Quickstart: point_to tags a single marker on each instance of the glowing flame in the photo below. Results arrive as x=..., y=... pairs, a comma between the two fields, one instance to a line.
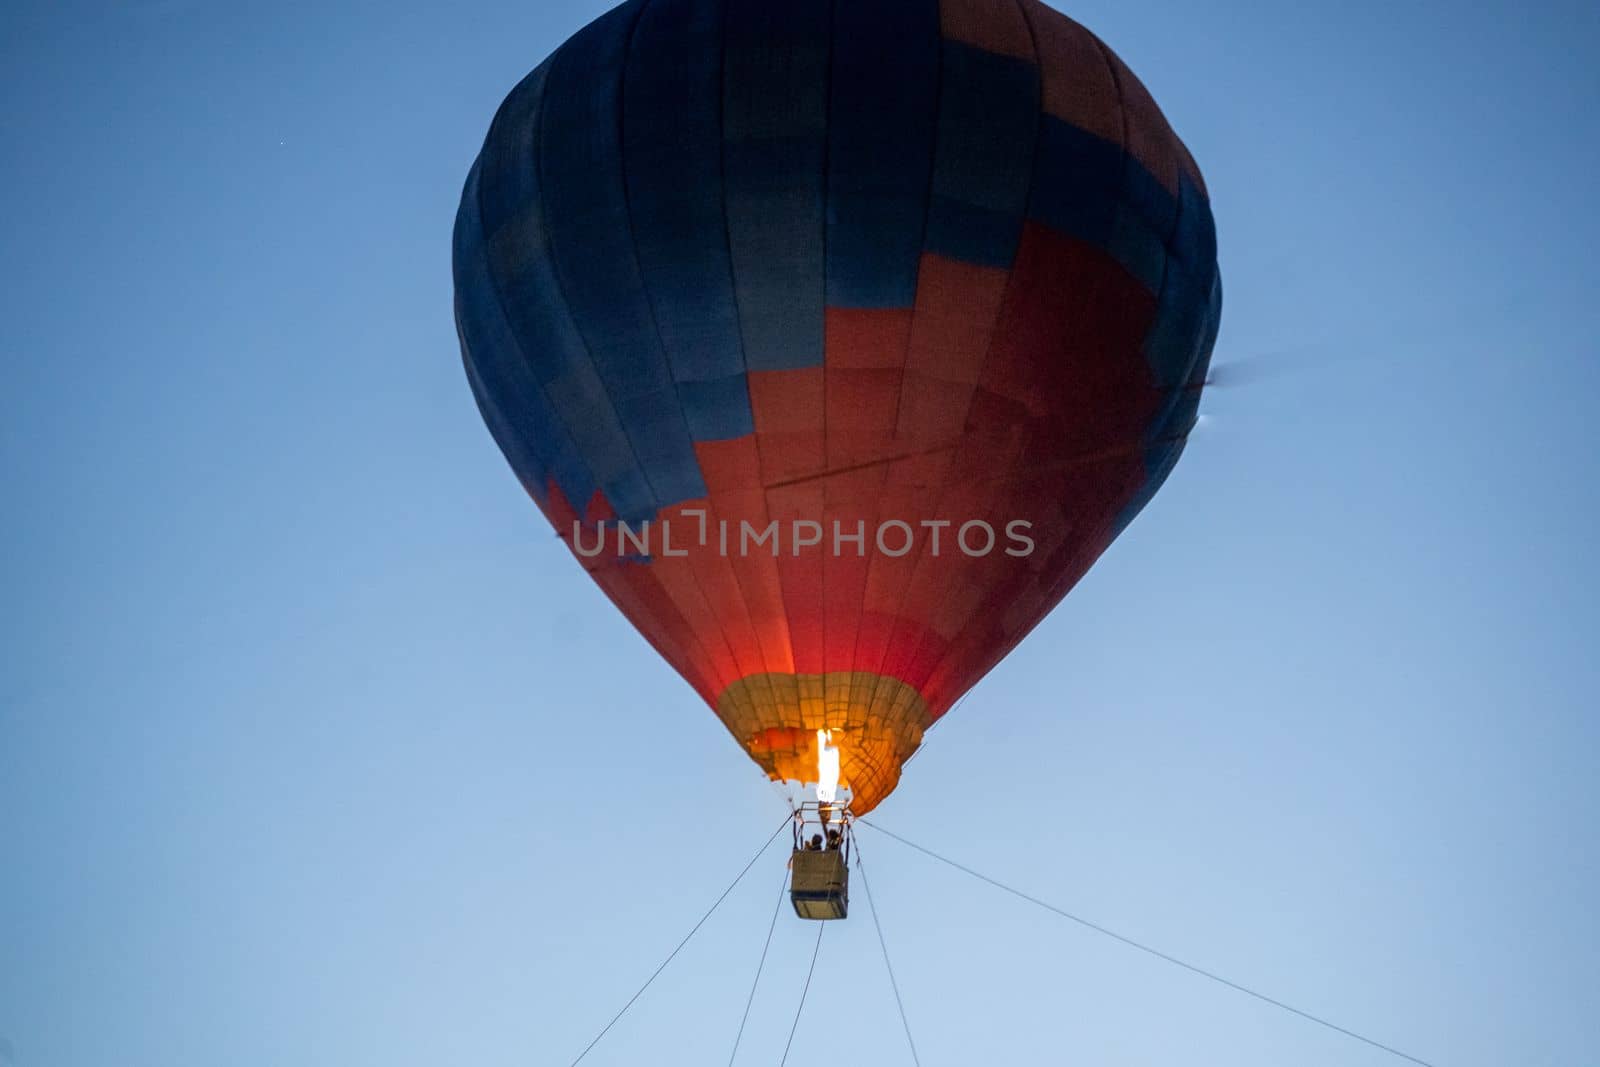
x=827, y=767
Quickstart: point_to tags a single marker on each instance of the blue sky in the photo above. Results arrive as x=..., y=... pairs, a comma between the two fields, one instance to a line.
x=315, y=748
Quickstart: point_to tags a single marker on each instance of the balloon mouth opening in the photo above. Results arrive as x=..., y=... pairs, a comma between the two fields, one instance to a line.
x=818, y=782
x=849, y=732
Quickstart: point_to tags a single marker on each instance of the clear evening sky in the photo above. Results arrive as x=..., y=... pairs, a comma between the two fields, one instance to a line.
x=317, y=749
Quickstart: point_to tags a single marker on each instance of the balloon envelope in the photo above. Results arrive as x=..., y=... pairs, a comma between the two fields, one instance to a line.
x=851, y=334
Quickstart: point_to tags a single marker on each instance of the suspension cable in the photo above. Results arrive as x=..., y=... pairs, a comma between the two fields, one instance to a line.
x=783, y=891
x=821, y=926
x=1157, y=953
x=873, y=909
x=673, y=954
x=929, y=731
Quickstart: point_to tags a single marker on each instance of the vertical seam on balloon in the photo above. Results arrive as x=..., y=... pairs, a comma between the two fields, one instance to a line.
x=537, y=118
x=733, y=290
x=473, y=190
x=822, y=220
x=727, y=228
x=1169, y=406
x=738, y=314
x=922, y=556
x=927, y=202
x=1203, y=349
x=560, y=286
x=538, y=149
x=474, y=365
x=994, y=329
x=1069, y=580
x=1123, y=171
x=854, y=665
x=911, y=330
x=499, y=300
x=1003, y=493
x=880, y=681
x=655, y=323
x=821, y=205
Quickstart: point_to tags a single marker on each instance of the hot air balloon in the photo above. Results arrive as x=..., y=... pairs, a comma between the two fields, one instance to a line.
x=837, y=340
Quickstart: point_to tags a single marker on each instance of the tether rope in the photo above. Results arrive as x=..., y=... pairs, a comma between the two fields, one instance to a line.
x=873, y=909
x=1157, y=953
x=821, y=926
x=673, y=954
x=783, y=891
